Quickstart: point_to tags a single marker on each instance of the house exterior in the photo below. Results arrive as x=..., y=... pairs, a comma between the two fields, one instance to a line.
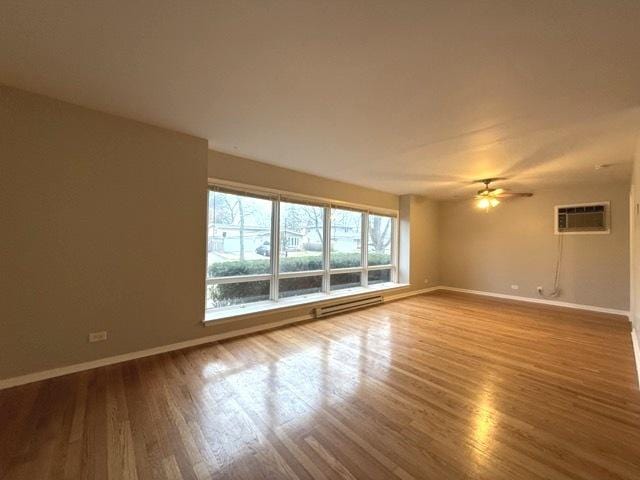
x=226, y=239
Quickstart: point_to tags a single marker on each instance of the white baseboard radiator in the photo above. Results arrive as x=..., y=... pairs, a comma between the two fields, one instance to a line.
x=346, y=306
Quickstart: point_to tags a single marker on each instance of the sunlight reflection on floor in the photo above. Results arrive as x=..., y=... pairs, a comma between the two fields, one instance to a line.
x=293, y=388
x=484, y=424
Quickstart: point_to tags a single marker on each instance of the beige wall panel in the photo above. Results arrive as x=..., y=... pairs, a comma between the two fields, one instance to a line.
x=514, y=244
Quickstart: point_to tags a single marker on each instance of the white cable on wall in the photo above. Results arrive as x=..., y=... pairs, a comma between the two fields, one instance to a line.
x=556, y=278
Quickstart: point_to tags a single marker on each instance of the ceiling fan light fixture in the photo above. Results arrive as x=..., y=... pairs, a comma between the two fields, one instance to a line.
x=488, y=197
x=485, y=203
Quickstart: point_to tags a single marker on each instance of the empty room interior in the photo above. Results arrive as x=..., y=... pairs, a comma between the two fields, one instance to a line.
x=329, y=239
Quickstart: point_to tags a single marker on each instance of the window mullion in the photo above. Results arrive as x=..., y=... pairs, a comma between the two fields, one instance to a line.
x=379, y=267
x=275, y=248
x=364, y=249
x=237, y=279
x=395, y=229
x=347, y=270
x=326, y=249
x=300, y=274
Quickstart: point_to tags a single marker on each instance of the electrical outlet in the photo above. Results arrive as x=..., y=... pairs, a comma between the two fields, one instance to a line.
x=97, y=337
x=426, y=280
x=515, y=287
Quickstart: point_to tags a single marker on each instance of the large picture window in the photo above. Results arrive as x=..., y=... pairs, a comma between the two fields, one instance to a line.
x=268, y=248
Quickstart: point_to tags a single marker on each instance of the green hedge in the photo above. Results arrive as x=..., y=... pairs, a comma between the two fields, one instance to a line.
x=230, y=293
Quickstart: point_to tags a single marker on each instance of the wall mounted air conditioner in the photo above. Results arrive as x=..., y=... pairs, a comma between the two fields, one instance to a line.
x=582, y=218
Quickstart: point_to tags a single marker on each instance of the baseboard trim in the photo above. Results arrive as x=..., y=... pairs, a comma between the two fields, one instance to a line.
x=544, y=301
x=410, y=293
x=102, y=362
x=636, y=352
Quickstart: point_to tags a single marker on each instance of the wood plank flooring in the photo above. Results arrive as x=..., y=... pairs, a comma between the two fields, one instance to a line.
x=438, y=386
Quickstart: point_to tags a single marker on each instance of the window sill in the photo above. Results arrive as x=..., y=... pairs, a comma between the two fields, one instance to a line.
x=217, y=316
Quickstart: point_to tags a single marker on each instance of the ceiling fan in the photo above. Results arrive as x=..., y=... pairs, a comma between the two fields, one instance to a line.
x=490, y=197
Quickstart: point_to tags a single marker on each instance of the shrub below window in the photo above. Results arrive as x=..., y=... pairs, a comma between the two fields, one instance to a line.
x=340, y=281
x=227, y=294
x=379, y=276
x=291, y=264
x=224, y=294
x=292, y=287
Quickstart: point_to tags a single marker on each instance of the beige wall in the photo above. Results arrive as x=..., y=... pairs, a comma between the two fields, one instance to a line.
x=241, y=170
x=635, y=243
x=515, y=244
x=419, y=243
x=102, y=224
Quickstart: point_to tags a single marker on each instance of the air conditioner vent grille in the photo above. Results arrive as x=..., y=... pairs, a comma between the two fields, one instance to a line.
x=582, y=218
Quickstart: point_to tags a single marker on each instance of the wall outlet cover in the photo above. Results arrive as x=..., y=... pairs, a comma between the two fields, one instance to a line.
x=97, y=336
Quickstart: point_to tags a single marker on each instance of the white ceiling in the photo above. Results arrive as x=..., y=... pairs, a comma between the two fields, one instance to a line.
x=404, y=96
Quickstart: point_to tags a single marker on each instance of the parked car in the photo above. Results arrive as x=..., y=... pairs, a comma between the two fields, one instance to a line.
x=313, y=246
x=264, y=249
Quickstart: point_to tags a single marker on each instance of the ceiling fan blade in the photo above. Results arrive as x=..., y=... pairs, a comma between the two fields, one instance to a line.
x=514, y=194
x=488, y=180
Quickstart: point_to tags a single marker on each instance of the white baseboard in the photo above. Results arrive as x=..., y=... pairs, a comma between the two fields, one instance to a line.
x=101, y=362
x=544, y=301
x=66, y=370
x=79, y=367
x=636, y=352
x=410, y=293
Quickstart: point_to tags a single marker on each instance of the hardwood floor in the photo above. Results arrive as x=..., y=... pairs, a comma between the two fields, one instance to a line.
x=439, y=386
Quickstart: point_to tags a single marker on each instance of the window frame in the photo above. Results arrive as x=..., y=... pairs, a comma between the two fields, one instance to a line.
x=274, y=275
